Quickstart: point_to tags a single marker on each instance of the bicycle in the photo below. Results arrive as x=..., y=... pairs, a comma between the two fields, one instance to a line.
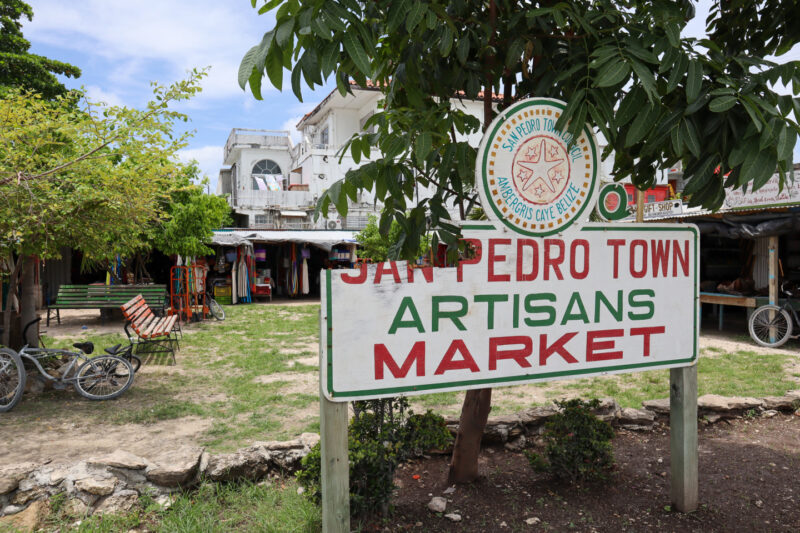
x=771, y=325
x=214, y=308
x=104, y=377
x=127, y=354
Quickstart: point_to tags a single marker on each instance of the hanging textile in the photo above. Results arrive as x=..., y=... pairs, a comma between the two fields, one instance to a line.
x=304, y=277
x=234, y=284
x=293, y=273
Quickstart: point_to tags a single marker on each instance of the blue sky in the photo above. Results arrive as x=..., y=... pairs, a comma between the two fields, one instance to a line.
x=122, y=46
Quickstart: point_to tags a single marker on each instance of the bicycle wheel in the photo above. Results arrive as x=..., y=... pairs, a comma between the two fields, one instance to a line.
x=12, y=379
x=103, y=378
x=135, y=362
x=215, y=309
x=770, y=332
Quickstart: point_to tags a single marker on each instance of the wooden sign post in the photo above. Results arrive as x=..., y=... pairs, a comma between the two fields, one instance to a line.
x=542, y=296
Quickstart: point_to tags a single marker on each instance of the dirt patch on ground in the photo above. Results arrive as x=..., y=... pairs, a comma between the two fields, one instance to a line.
x=70, y=442
x=725, y=343
x=748, y=482
x=297, y=382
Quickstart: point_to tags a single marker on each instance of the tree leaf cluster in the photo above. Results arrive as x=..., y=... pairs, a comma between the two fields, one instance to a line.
x=18, y=67
x=101, y=179
x=658, y=98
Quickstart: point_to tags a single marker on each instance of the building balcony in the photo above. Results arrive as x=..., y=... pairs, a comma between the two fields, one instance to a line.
x=280, y=199
x=245, y=138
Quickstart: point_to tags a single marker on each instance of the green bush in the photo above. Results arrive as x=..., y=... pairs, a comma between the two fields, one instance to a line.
x=381, y=435
x=578, y=444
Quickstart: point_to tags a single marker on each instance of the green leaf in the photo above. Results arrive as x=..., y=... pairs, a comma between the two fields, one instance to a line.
x=320, y=29
x=612, y=73
x=722, y=103
x=415, y=16
x=757, y=164
x=268, y=6
x=254, y=59
x=694, y=80
x=283, y=32
x=689, y=136
x=296, y=88
x=446, y=41
x=673, y=32
x=677, y=73
x=786, y=142
x=646, y=77
x=275, y=67
x=630, y=106
x=642, y=125
x=422, y=147
x=356, y=52
x=329, y=60
x=462, y=49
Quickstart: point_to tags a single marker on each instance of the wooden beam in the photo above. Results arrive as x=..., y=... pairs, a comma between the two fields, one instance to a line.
x=335, y=466
x=773, y=270
x=722, y=299
x=639, y=205
x=683, y=437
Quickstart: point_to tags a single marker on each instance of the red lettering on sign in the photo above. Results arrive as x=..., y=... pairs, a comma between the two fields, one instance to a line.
x=497, y=258
x=573, y=270
x=478, y=250
x=682, y=258
x=645, y=333
x=550, y=261
x=390, y=267
x=356, y=280
x=593, y=346
x=660, y=253
x=616, y=244
x=632, y=256
x=427, y=273
x=384, y=358
x=520, y=355
x=448, y=363
x=546, y=351
x=534, y=246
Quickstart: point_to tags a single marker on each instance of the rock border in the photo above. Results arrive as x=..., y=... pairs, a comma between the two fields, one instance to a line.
x=113, y=483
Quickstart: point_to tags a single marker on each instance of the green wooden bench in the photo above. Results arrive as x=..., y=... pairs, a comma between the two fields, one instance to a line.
x=106, y=297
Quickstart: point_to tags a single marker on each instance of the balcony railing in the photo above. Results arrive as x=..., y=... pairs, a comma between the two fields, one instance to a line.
x=284, y=199
x=246, y=138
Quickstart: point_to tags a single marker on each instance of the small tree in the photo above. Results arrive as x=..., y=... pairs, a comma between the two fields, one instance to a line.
x=375, y=247
x=82, y=174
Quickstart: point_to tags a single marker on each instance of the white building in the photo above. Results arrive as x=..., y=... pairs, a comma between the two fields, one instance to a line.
x=273, y=183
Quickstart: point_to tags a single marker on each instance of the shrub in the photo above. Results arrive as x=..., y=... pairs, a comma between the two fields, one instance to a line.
x=578, y=444
x=380, y=436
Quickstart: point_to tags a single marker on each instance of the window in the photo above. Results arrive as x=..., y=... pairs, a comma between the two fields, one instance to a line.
x=261, y=220
x=323, y=136
x=651, y=198
x=267, y=175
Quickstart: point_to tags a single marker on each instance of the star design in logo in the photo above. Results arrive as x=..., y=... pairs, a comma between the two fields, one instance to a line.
x=539, y=191
x=532, y=153
x=541, y=167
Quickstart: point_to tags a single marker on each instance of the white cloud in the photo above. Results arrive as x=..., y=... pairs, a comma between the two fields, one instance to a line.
x=209, y=159
x=291, y=126
x=97, y=94
x=178, y=35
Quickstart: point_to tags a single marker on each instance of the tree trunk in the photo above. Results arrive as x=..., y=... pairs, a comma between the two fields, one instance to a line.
x=27, y=304
x=467, y=448
x=477, y=403
x=12, y=290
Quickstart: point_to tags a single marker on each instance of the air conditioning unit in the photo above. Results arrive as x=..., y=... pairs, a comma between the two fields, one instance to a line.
x=333, y=224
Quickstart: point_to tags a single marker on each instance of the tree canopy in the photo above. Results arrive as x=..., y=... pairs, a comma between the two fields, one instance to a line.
x=20, y=68
x=657, y=97
x=85, y=175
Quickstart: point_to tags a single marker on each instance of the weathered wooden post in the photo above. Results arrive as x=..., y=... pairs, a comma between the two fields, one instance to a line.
x=335, y=467
x=334, y=461
x=683, y=437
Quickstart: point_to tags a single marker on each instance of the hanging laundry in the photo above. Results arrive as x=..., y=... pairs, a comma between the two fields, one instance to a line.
x=306, y=288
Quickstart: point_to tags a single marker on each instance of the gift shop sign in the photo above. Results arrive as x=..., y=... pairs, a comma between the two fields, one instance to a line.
x=541, y=294
x=613, y=298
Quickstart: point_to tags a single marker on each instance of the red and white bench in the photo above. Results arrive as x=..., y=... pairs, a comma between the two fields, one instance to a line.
x=144, y=328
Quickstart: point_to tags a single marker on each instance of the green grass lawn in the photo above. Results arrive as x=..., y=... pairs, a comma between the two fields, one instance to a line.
x=274, y=507
x=254, y=377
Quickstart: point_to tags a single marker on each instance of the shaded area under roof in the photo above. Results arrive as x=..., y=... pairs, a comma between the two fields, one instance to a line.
x=325, y=239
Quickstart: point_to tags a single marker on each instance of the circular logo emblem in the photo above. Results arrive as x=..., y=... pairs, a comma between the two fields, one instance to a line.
x=612, y=202
x=532, y=177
